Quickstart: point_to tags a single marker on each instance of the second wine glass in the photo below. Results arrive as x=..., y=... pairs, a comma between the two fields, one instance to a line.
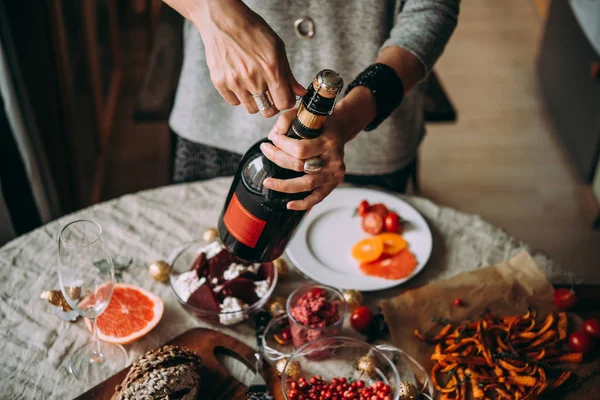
x=86, y=276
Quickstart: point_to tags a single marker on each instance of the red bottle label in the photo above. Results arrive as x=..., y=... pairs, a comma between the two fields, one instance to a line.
x=242, y=225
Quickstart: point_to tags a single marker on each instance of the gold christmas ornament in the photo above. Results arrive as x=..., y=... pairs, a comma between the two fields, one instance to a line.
x=280, y=366
x=56, y=298
x=159, y=271
x=354, y=298
x=407, y=391
x=293, y=369
x=282, y=267
x=210, y=235
x=277, y=307
x=74, y=292
x=366, y=365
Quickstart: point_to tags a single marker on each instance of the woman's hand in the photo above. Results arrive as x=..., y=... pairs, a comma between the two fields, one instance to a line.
x=245, y=56
x=350, y=117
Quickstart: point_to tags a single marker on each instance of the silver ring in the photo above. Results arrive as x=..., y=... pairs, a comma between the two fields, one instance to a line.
x=313, y=165
x=263, y=100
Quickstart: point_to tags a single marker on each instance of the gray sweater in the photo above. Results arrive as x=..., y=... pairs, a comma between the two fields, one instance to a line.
x=348, y=37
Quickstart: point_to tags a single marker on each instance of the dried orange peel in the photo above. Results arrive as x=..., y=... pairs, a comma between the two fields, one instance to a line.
x=500, y=357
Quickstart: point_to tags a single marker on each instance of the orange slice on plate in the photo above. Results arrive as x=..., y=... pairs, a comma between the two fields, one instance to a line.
x=367, y=250
x=393, y=243
x=394, y=267
x=131, y=314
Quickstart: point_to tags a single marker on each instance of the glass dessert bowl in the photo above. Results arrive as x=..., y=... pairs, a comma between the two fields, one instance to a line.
x=315, y=311
x=217, y=287
x=352, y=366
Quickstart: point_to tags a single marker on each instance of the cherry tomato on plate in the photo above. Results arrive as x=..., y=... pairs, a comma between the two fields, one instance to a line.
x=392, y=222
x=363, y=208
x=580, y=342
x=458, y=302
x=361, y=318
x=592, y=328
x=372, y=223
x=564, y=299
x=380, y=209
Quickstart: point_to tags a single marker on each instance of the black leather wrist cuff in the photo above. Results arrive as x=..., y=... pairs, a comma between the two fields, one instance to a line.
x=385, y=85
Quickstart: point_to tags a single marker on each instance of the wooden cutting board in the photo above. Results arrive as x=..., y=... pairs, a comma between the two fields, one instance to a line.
x=217, y=382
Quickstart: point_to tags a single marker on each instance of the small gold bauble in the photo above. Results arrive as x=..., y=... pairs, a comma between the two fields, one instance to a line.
x=366, y=365
x=292, y=370
x=280, y=366
x=210, y=235
x=282, y=267
x=277, y=307
x=407, y=391
x=354, y=298
x=159, y=270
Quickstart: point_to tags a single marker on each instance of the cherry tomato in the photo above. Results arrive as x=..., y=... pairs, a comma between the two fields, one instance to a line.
x=580, y=342
x=392, y=222
x=592, y=328
x=458, y=302
x=372, y=223
x=286, y=334
x=361, y=318
x=380, y=209
x=363, y=208
x=564, y=298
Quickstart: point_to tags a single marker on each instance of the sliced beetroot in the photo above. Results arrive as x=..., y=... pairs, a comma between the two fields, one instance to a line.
x=240, y=288
x=200, y=265
x=265, y=271
x=219, y=263
x=205, y=299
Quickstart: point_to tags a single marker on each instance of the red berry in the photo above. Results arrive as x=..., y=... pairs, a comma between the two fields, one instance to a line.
x=564, y=298
x=458, y=302
x=592, y=327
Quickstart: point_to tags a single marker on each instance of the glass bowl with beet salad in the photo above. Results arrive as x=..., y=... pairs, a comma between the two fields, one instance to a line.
x=214, y=285
x=315, y=311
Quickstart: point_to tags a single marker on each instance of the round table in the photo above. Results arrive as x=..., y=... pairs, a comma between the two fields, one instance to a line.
x=147, y=226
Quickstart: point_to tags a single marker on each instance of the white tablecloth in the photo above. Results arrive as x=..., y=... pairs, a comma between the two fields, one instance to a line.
x=147, y=226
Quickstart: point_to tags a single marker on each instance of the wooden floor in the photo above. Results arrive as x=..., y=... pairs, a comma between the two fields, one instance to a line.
x=500, y=160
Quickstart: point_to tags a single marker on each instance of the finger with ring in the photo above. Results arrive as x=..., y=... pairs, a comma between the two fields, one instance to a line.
x=263, y=100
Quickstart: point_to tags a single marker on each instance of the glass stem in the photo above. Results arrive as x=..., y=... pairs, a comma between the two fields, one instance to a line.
x=97, y=356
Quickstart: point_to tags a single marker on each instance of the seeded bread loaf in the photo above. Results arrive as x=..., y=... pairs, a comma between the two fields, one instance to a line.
x=169, y=372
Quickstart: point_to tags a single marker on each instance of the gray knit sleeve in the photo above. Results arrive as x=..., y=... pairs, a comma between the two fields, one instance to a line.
x=423, y=27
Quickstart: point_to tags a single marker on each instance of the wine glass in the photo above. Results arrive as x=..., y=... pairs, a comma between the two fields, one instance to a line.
x=86, y=275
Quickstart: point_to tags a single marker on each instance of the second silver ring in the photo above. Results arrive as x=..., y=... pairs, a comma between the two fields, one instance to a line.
x=263, y=100
x=314, y=164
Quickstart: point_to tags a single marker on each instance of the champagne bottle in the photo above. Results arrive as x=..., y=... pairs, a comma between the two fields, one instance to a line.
x=255, y=224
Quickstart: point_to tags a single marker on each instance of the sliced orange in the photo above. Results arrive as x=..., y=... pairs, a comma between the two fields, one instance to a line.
x=398, y=266
x=393, y=243
x=368, y=249
x=131, y=314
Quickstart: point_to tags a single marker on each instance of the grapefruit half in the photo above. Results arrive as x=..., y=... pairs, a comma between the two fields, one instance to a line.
x=131, y=314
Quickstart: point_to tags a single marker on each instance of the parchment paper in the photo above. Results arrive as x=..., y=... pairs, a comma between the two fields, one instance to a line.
x=507, y=288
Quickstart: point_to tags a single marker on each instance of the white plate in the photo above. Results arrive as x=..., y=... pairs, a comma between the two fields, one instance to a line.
x=322, y=244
